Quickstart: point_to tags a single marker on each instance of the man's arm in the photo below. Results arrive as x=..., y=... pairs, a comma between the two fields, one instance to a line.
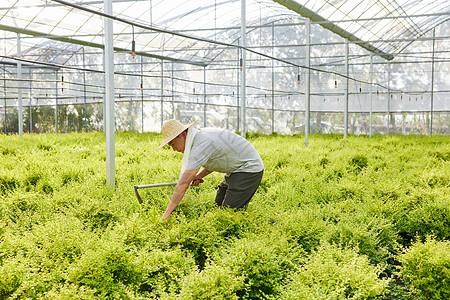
x=179, y=192
x=197, y=179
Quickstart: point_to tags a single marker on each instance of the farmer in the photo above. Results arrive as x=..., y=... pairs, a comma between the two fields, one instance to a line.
x=214, y=150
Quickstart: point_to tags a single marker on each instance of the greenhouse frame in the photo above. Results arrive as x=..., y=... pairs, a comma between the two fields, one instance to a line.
x=368, y=66
x=284, y=66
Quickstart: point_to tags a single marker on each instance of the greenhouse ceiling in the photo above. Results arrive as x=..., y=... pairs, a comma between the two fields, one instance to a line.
x=192, y=31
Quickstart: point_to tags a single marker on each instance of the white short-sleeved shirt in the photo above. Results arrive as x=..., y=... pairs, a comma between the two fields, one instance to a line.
x=223, y=151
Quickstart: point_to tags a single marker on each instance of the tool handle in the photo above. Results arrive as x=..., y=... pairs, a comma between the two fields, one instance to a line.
x=158, y=184
x=154, y=185
x=136, y=187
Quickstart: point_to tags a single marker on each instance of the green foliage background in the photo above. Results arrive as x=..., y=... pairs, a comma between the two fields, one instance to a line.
x=343, y=219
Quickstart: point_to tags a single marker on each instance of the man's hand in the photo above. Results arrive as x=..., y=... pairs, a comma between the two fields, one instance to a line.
x=196, y=181
x=199, y=177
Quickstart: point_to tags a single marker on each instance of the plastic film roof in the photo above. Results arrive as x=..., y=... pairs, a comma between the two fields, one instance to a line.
x=386, y=25
x=389, y=25
x=201, y=19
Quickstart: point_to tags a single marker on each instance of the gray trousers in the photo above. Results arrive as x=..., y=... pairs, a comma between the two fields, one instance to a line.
x=236, y=189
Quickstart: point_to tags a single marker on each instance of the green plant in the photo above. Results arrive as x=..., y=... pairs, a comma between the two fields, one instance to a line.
x=425, y=269
x=358, y=162
x=260, y=264
x=336, y=273
x=214, y=282
x=107, y=269
x=162, y=272
x=326, y=222
x=8, y=183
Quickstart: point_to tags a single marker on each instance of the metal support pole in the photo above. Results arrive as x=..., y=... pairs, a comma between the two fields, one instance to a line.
x=273, y=80
x=346, y=90
x=432, y=86
x=238, y=119
x=84, y=93
x=215, y=20
x=389, y=98
x=371, y=98
x=162, y=92
x=204, y=97
x=308, y=81
x=4, y=95
x=109, y=94
x=19, y=86
x=104, y=113
x=172, y=92
x=151, y=13
x=243, y=65
x=142, y=94
x=56, y=101
x=31, y=104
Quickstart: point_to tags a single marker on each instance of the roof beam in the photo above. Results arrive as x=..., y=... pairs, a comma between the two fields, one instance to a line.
x=94, y=45
x=27, y=65
x=307, y=13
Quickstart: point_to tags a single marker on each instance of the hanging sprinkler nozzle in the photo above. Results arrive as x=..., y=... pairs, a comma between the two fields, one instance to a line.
x=133, y=48
x=133, y=45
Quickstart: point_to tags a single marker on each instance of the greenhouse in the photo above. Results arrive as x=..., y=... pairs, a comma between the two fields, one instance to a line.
x=347, y=104
x=367, y=67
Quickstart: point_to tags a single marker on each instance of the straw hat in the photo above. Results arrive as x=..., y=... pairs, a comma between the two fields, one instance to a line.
x=171, y=129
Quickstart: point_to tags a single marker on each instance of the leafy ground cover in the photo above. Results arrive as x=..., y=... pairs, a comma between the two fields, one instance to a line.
x=344, y=219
